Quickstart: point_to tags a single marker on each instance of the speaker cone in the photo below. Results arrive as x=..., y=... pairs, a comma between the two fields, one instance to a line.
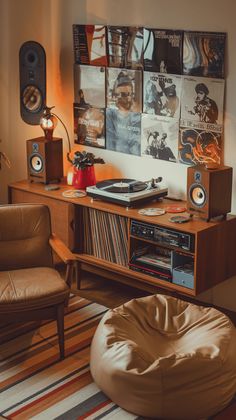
x=198, y=195
x=32, y=99
x=36, y=163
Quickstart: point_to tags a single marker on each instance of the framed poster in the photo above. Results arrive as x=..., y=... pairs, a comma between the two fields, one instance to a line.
x=123, y=131
x=125, y=46
x=204, y=54
x=89, y=86
x=199, y=146
x=159, y=139
x=163, y=50
x=124, y=89
x=202, y=103
x=89, y=126
x=90, y=44
x=161, y=94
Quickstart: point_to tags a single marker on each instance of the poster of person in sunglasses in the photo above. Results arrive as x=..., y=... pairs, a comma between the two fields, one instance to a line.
x=123, y=113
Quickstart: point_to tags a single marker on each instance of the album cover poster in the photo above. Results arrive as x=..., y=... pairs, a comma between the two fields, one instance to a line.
x=123, y=131
x=159, y=138
x=89, y=86
x=161, y=94
x=199, y=146
x=202, y=103
x=204, y=54
x=125, y=46
x=163, y=50
x=89, y=126
x=124, y=89
x=90, y=44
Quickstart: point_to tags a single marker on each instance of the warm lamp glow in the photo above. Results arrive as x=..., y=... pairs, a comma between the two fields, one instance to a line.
x=70, y=175
x=48, y=122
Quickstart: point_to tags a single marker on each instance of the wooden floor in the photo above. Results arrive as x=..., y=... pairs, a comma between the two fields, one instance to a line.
x=106, y=292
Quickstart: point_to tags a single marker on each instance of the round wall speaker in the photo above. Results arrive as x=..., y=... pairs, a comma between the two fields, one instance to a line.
x=197, y=195
x=36, y=163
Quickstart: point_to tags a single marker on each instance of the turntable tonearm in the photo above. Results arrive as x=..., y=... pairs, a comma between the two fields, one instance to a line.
x=127, y=192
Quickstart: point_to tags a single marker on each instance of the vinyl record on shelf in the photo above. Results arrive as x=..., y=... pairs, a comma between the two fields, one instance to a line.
x=175, y=209
x=121, y=185
x=152, y=211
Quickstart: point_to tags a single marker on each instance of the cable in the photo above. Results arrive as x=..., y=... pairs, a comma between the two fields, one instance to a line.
x=67, y=134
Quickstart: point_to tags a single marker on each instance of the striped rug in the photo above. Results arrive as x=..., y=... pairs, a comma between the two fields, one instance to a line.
x=35, y=385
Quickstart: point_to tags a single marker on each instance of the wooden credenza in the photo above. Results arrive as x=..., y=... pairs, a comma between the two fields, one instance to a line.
x=107, y=239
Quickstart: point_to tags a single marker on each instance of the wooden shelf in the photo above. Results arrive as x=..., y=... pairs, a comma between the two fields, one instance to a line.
x=214, y=241
x=126, y=272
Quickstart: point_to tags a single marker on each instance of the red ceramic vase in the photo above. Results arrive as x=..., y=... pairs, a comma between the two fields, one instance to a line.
x=83, y=178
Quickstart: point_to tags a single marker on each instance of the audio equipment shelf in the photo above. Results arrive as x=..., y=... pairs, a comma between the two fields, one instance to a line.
x=107, y=238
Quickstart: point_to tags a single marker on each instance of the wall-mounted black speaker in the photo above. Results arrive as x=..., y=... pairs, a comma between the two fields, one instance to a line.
x=32, y=62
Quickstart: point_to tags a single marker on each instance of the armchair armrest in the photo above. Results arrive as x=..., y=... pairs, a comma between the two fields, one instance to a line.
x=66, y=256
x=61, y=250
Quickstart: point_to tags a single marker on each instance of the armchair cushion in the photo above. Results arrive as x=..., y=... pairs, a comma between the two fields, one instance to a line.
x=31, y=288
x=24, y=237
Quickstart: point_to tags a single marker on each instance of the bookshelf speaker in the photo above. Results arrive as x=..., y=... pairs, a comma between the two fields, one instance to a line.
x=32, y=63
x=44, y=160
x=209, y=191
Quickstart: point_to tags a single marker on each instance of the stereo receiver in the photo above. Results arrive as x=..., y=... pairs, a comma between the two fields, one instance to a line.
x=162, y=236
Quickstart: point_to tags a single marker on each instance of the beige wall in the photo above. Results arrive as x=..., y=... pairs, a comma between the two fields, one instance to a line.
x=50, y=23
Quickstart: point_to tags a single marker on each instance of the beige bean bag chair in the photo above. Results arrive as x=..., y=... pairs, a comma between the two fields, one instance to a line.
x=159, y=356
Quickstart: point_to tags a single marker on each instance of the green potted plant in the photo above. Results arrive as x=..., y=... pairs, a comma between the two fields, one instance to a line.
x=83, y=164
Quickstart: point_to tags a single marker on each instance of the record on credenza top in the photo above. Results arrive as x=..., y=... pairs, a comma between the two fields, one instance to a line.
x=121, y=185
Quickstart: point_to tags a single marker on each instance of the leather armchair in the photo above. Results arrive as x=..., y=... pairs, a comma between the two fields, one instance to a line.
x=30, y=287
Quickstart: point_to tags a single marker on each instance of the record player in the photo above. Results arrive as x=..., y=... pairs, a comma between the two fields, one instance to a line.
x=127, y=192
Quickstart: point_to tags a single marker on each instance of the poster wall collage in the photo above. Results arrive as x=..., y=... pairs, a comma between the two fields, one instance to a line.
x=154, y=93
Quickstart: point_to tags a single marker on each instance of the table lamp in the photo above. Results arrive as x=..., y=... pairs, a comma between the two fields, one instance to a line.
x=45, y=154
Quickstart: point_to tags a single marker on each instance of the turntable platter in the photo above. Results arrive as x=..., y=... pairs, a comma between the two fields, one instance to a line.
x=121, y=185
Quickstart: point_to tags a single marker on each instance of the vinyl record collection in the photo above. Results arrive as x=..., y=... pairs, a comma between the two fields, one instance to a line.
x=151, y=92
x=106, y=236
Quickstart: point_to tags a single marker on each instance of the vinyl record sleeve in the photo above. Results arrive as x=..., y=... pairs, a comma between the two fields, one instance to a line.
x=161, y=94
x=159, y=138
x=199, y=146
x=163, y=50
x=125, y=46
x=132, y=82
x=202, y=103
x=89, y=86
x=90, y=44
x=204, y=54
x=89, y=126
x=123, y=131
